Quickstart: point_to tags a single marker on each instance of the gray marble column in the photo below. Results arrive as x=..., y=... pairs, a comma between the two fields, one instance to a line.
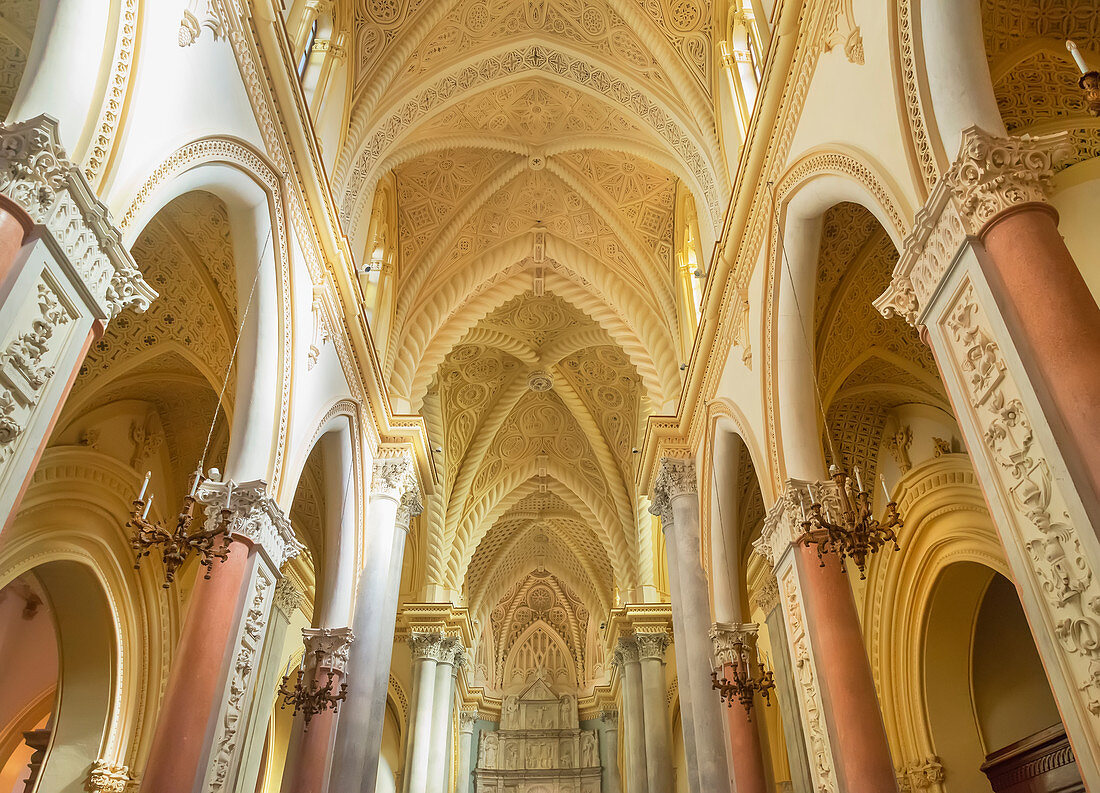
x=427, y=648
x=658, y=733
x=609, y=751
x=450, y=656
x=676, y=501
x=395, y=500
x=466, y=721
x=767, y=600
x=630, y=676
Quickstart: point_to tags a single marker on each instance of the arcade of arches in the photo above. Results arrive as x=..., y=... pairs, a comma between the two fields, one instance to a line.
x=440, y=396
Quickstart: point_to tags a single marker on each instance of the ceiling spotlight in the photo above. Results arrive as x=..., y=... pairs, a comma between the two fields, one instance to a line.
x=439, y=450
x=683, y=366
x=699, y=273
x=633, y=451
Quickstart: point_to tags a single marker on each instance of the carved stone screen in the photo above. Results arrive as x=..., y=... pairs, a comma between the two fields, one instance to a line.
x=539, y=747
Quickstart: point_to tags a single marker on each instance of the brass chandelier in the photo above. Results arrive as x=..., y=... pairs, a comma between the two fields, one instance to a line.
x=177, y=544
x=311, y=699
x=746, y=682
x=852, y=533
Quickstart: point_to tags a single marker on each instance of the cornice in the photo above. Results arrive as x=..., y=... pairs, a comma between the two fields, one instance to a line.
x=441, y=618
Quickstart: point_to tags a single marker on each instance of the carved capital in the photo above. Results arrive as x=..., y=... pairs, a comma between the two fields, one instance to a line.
x=252, y=516
x=392, y=477
x=201, y=14
x=767, y=597
x=725, y=636
x=106, y=777
x=38, y=176
x=990, y=174
x=327, y=648
x=409, y=507
x=921, y=774
x=288, y=598
x=427, y=646
x=466, y=720
x=783, y=523
x=652, y=646
x=626, y=651
x=610, y=717
x=674, y=478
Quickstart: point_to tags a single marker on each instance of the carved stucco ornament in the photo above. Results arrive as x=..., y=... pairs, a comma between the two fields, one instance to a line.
x=37, y=175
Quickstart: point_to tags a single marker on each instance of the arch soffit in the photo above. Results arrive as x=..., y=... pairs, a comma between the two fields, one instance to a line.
x=243, y=171
x=726, y=415
x=338, y=414
x=361, y=164
x=837, y=389
x=460, y=302
x=130, y=372
x=506, y=493
x=834, y=175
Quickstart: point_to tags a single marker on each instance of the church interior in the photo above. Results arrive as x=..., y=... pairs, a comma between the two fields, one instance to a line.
x=549, y=396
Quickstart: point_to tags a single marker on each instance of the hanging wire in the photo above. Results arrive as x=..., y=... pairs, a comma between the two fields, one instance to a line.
x=233, y=354
x=809, y=353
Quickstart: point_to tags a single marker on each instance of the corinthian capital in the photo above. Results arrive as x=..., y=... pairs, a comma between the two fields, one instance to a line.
x=38, y=176
x=392, y=477
x=427, y=645
x=409, y=507
x=674, y=478
x=251, y=515
x=990, y=174
x=328, y=647
x=783, y=523
x=652, y=645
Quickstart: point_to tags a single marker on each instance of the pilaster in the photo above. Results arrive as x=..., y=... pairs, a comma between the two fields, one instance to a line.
x=70, y=277
x=949, y=286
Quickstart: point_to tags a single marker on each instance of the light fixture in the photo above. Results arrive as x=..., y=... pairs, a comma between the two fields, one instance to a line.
x=177, y=544
x=746, y=682
x=1090, y=79
x=853, y=533
x=312, y=699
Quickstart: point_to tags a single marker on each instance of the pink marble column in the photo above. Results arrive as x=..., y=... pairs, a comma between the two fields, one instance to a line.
x=1057, y=321
x=860, y=750
x=196, y=681
x=748, y=758
x=310, y=752
x=15, y=226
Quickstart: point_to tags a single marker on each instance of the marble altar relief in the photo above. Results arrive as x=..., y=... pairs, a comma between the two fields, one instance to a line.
x=539, y=747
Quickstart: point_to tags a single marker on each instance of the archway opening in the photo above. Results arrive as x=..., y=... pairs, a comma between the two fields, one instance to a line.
x=989, y=704
x=58, y=653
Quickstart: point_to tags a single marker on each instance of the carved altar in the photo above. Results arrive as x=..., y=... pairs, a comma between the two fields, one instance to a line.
x=539, y=747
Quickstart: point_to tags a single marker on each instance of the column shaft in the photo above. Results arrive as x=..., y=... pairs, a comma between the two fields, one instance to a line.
x=749, y=775
x=676, y=499
x=861, y=752
x=1055, y=323
x=443, y=701
x=419, y=736
x=465, y=748
x=658, y=734
x=637, y=780
x=395, y=500
x=609, y=752
x=180, y=744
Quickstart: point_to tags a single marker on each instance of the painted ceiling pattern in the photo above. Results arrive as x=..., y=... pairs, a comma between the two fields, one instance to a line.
x=538, y=149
